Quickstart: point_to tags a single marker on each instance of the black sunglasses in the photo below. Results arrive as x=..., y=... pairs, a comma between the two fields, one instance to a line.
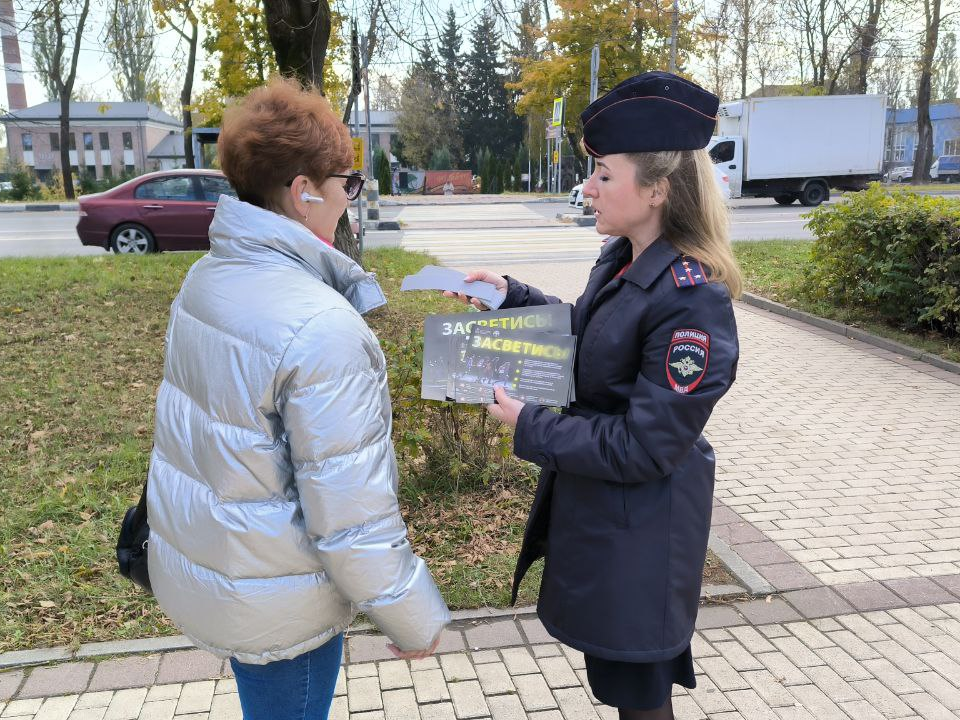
x=351, y=187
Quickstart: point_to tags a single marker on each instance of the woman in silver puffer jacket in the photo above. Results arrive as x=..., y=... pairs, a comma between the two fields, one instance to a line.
x=272, y=496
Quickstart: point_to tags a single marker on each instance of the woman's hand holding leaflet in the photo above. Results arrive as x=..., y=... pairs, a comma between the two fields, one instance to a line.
x=506, y=409
x=485, y=275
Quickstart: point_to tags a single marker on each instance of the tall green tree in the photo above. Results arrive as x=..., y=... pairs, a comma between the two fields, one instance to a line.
x=66, y=20
x=44, y=51
x=130, y=37
x=489, y=119
x=525, y=48
x=928, y=51
x=180, y=15
x=945, y=80
x=450, y=60
x=426, y=121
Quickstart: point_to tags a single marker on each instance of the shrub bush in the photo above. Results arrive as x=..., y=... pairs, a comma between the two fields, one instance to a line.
x=442, y=447
x=381, y=171
x=24, y=185
x=896, y=252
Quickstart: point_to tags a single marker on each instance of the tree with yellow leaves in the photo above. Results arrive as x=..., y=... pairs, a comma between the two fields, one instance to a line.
x=243, y=57
x=180, y=15
x=634, y=36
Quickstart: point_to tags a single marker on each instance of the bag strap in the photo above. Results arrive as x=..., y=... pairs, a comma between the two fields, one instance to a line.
x=140, y=515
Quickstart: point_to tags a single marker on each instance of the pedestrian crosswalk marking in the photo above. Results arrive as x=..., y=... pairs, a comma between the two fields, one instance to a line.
x=513, y=244
x=426, y=215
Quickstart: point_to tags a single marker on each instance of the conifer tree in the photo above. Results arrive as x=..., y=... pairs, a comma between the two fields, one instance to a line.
x=449, y=51
x=450, y=61
x=488, y=116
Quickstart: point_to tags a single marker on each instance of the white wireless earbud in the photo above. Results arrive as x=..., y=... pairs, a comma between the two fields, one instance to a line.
x=307, y=197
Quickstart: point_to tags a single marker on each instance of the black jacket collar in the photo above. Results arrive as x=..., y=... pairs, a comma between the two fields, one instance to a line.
x=652, y=263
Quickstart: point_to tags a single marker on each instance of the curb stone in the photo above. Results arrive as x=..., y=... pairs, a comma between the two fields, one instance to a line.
x=850, y=332
x=39, y=207
x=115, y=648
x=741, y=570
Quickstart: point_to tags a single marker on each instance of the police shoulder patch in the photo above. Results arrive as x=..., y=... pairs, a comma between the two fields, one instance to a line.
x=688, y=271
x=687, y=359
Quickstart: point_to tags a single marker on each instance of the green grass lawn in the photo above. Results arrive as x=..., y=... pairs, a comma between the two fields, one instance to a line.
x=774, y=269
x=82, y=349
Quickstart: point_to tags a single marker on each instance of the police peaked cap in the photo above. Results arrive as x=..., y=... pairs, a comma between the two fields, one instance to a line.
x=648, y=113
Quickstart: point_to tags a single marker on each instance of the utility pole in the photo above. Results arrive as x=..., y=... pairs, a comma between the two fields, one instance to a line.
x=594, y=72
x=673, y=35
x=355, y=89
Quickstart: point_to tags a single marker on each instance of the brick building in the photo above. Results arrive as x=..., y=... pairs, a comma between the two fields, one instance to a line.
x=106, y=139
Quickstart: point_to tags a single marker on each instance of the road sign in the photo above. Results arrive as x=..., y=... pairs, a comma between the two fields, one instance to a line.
x=553, y=132
x=357, y=153
x=557, y=112
x=556, y=157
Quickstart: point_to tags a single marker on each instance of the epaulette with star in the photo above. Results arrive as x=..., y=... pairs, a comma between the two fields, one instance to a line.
x=688, y=271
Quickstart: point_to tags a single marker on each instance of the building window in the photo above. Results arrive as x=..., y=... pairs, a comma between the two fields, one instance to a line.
x=27, y=139
x=128, y=141
x=898, y=152
x=72, y=141
x=104, y=141
x=951, y=147
x=55, y=142
x=107, y=172
x=88, y=141
x=128, y=169
x=91, y=171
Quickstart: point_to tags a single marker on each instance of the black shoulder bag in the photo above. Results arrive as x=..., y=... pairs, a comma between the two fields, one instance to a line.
x=132, y=543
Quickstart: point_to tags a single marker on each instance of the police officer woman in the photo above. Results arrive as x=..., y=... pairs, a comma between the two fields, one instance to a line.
x=622, y=509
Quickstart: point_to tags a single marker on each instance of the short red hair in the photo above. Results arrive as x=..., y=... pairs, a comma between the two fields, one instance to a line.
x=277, y=132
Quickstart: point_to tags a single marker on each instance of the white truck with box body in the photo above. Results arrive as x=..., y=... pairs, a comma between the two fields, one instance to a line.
x=797, y=148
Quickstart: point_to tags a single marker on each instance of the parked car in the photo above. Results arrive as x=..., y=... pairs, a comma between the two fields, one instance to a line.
x=575, y=198
x=165, y=210
x=904, y=173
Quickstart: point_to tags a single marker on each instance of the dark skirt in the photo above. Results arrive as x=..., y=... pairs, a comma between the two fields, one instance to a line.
x=639, y=686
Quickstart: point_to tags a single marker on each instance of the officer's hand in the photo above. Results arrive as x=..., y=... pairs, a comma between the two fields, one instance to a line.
x=486, y=276
x=415, y=654
x=506, y=409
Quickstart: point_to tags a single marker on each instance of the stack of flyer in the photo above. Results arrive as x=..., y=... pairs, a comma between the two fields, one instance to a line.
x=529, y=351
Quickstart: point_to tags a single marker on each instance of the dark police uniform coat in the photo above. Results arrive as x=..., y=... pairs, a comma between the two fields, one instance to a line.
x=622, y=509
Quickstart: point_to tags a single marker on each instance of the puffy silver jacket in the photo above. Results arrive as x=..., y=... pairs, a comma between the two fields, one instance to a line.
x=272, y=495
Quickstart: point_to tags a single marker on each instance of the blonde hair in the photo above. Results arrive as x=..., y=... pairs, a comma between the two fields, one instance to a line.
x=695, y=218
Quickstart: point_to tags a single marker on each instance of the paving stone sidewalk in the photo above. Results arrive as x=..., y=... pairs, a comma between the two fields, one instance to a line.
x=837, y=485
x=901, y=663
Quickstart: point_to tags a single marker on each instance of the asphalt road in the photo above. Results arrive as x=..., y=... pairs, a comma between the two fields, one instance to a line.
x=750, y=219
x=40, y=234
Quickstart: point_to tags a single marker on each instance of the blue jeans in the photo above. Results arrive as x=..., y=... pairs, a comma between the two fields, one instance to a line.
x=297, y=689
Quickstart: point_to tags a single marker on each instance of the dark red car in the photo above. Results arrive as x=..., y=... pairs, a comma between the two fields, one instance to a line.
x=166, y=210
